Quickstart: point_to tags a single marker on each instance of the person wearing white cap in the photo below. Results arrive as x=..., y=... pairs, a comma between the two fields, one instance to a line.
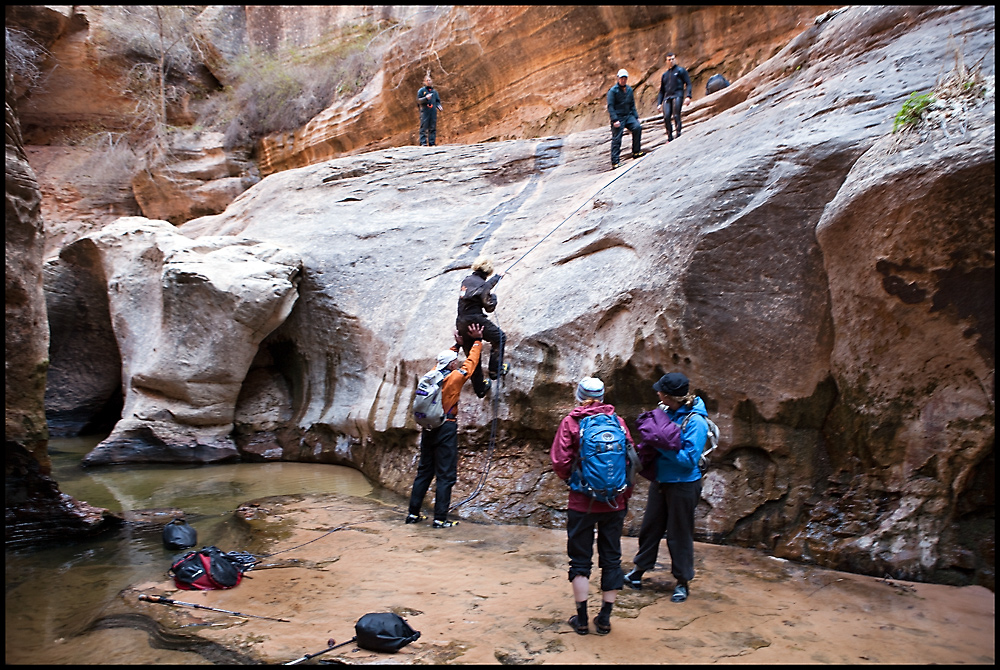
x=585, y=513
x=621, y=109
x=439, y=446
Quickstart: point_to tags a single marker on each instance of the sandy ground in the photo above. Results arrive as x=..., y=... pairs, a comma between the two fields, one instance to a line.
x=499, y=595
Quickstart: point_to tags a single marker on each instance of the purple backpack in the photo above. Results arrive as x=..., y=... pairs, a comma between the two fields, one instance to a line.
x=656, y=433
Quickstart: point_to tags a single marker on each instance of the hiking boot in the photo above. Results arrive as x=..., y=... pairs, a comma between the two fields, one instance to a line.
x=634, y=579
x=615, y=166
x=581, y=627
x=414, y=518
x=504, y=369
x=486, y=389
x=444, y=524
x=639, y=154
x=680, y=593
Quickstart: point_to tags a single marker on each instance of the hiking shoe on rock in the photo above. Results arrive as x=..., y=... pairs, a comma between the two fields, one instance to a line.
x=486, y=390
x=414, y=518
x=680, y=593
x=503, y=371
x=639, y=154
x=581, y=627
x=634, y=579
x=615, y=166
x=444, y=524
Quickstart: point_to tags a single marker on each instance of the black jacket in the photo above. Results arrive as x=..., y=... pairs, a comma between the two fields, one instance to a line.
x=422, y=98
x=475, y=295
x=674, y=81
x=621, y=103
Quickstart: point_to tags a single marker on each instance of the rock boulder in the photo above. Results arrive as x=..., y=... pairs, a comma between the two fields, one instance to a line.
x=187, y=317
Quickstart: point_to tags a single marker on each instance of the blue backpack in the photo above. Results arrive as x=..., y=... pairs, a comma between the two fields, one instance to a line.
x=607, y=462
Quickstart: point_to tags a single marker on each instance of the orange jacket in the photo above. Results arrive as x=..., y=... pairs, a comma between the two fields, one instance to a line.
x=452, y=387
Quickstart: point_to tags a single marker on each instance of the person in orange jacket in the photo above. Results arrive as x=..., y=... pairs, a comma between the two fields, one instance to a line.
x=439, y=446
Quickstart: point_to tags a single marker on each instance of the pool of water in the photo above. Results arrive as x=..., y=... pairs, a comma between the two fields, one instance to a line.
x=55, y=593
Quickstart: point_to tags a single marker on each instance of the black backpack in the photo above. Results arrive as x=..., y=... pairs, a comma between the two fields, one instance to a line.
x=384, y=631
x=179, y=535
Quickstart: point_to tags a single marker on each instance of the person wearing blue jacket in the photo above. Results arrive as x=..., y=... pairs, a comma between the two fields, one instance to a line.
x=672, y=500
x=623, y=114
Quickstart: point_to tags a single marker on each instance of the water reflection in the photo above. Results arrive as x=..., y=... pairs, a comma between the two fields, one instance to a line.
x=55, y=593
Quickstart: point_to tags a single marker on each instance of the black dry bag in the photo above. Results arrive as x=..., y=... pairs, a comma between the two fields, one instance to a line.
x=179, y=535
x=384, y=631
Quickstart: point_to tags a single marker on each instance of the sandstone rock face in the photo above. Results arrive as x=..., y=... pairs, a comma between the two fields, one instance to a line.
x=529, y=71
x=197, y=177
x=83, y=392
x=70, y=121
x=187, y=317
x=704, y=257
x=27, y=331
x=921, y=281
x=34, y=508
x=505, y=72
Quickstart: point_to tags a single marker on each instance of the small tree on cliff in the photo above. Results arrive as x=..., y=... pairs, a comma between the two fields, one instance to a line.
x=159, y=42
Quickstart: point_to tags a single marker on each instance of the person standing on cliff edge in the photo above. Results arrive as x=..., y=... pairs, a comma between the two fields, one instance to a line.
x=623, y=114
x=429, y=103
x=675, y=92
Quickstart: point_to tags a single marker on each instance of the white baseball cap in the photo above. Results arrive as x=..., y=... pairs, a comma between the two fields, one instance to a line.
x=446, y=357
x=623, y=72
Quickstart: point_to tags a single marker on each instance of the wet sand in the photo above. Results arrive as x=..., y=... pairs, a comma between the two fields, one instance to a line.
x=483, y=594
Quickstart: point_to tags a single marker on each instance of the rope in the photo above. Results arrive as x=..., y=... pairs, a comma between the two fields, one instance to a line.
x=619, y=176
x=260, y=557
x=495, y=402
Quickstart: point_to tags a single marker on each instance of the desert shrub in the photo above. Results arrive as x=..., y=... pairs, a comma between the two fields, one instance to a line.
x=159, y=47
x=283, y=91
x=914, y=106
x=148, y=33
x=24, y=57
x=956, y=91
x=105, y=178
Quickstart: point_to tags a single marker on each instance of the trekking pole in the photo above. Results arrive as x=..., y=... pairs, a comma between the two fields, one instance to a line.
x=170, y=601
x=331, y=647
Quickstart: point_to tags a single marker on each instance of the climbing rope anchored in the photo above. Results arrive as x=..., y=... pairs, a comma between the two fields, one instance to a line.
x=495, y=400
x=596, y=193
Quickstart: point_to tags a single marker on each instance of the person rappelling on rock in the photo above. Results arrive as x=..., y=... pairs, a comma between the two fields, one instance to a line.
x=474, y=297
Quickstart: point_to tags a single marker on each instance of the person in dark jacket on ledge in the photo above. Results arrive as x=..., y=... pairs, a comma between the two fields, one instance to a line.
x=623, y=114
